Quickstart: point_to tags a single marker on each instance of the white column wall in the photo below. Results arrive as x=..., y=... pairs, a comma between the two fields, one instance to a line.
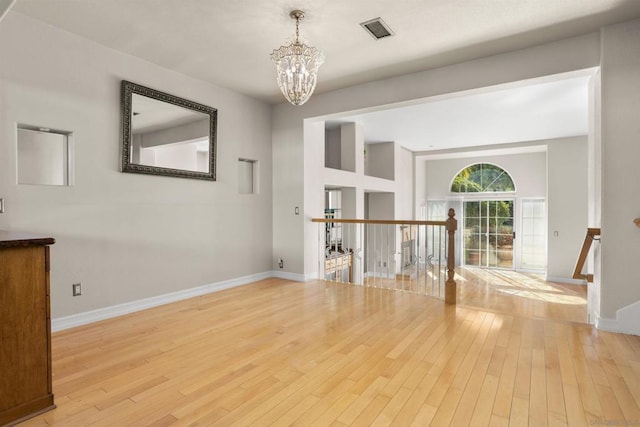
x=620, y=109
x=567, y=204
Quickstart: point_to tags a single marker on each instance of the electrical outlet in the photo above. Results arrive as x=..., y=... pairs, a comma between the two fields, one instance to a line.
x=77, y=289
x=297, y=211
x=280, y=263
x=1, y=205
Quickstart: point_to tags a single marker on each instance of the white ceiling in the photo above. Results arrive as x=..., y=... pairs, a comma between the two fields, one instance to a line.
x=528, y=113
x=228, y=42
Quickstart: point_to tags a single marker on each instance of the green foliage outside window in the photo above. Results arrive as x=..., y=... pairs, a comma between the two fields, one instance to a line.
x=482, y=178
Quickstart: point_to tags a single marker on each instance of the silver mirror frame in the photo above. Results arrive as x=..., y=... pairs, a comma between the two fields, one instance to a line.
x=127, y=90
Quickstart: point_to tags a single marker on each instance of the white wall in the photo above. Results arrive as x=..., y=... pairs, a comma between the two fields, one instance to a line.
x=405, y=183
x=332, y=148
x=126, y=236
x=351, y=140
x=567, y=208
x=380, y=160
x=381, y=206
x=559, y=176
x=295, y=158
x=380, y=254
x=42, y=158
x=620, y=109
x=527, y=170
x=434, y=177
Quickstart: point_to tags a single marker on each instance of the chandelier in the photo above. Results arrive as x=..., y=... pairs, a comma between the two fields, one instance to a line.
x=297, y=66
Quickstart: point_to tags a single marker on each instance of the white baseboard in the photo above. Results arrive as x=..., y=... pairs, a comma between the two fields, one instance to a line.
x=295, y=276
x=567, y=280
x=79, y=319
x=627, y=320
x=311, y=276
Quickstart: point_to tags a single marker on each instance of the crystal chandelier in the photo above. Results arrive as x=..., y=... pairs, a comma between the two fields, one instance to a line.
x=297, y=66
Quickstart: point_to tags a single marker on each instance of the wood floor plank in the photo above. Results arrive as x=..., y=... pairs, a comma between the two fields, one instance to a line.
x=280, y=353
x=424, y=416
x=519, y=415
x=572, y=399
x=354, y=410
x=303, y=406
x=391, y=410
x=482, y=411
x=473, y=366
x=322, y=406
x=372, y=410
x=473, y=389
x=453, y=361
x=557, y=414
x=538, y=389
x=502, y=405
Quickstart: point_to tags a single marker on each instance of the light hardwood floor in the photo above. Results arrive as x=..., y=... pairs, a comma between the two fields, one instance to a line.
x=524, y=294
x=280, y=353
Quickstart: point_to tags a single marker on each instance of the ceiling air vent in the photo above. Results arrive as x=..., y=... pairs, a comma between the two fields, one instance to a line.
x=377, y=28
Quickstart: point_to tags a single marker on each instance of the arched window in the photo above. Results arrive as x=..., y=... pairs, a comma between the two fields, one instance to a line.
x=482, y=178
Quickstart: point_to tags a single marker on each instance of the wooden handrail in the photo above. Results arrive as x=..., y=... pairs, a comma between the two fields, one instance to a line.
x=450, y=225
x=586, y=245
x=378, y=221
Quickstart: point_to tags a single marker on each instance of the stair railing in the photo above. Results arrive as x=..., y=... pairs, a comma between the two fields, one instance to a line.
x=592, y=234
x=411, y=256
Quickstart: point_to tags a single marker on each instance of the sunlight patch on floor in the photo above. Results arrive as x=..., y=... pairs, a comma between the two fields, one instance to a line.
x=489, y=288
x=545, y=296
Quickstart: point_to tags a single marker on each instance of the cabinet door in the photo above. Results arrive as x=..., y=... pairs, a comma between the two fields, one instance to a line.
x=23, y=326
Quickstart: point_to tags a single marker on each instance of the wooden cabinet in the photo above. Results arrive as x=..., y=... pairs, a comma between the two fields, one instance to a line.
x=25, y=327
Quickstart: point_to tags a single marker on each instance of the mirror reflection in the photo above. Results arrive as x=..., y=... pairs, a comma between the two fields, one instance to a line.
x=167, y=135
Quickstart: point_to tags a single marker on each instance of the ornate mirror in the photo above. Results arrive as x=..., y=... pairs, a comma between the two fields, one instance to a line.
x=166, y=135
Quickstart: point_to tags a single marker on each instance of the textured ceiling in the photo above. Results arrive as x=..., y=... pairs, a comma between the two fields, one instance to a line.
x=228, y=42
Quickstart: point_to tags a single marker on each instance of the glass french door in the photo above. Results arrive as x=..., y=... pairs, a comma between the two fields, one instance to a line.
x=488, y=233
x=534, y=244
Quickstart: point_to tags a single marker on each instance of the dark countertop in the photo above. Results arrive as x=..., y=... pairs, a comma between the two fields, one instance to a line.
x=12, y=239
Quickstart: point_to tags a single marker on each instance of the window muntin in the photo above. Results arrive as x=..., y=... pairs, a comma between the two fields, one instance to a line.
x=482, y=178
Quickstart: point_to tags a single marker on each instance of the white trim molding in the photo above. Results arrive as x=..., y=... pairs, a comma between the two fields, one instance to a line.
x=566, y=280
x=295, y=276
x=80, y=319
x=627, y=320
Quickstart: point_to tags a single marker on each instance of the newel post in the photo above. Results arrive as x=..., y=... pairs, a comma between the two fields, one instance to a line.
x=450, y=286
